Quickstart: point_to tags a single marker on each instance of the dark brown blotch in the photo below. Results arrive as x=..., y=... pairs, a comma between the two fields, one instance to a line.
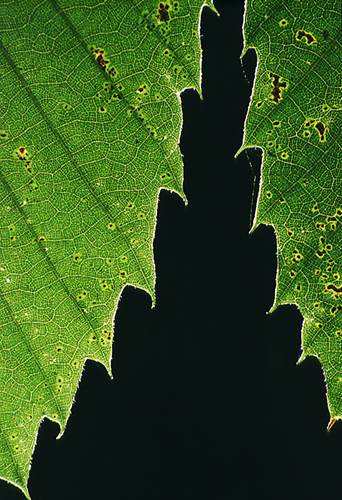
x=99, y=57
x=277, y=87
x=333, y=288
x=163, y=12
x=321, y=130
x=306, y=36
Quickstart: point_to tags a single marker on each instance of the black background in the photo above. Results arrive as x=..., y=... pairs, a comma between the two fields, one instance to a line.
x=207, y=400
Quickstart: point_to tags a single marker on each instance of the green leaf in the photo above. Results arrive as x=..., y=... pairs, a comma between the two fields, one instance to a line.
x=90, y=125
x=294, y=116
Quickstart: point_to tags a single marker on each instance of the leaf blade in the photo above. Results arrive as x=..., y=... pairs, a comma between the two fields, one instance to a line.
x=91, y=119
x=294, y=117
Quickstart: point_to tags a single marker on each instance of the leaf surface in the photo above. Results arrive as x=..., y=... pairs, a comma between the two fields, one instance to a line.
x=294, y=116
x=90, y=119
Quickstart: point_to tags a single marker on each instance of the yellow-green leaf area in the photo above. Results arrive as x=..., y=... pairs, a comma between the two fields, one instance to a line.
x=90, y=119
x=295, y=117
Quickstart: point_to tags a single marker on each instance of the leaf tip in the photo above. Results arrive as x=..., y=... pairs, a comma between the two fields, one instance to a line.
x=26, y=492
x=62, y=427
x=331, y=423
x=108, y=366
x=240, y=150
x=21, y=486
x=272, y=308
x=210, y=4
x=301, y=358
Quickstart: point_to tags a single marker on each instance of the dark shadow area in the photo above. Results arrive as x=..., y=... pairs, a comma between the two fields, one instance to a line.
x=207, y=401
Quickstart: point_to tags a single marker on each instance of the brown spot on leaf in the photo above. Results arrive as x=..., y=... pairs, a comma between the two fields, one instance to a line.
x=322, y=130
x=321, y=127
x=320, y=253
x=278, y=87
x=163, y=12
x=99, y=56
x=305, y=36
x=22, y=153
x=309, y=122
x=335, y=290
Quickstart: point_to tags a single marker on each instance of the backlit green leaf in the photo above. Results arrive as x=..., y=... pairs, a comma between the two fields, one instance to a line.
x=295, y=117
x=90, y=119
